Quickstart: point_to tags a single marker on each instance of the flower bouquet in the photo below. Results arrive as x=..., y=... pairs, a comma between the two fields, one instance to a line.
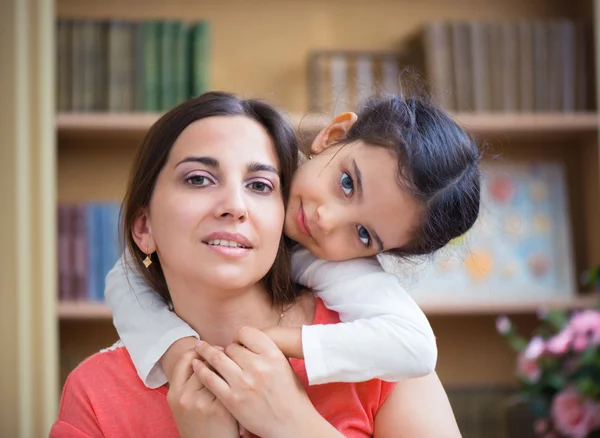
x=559, y=372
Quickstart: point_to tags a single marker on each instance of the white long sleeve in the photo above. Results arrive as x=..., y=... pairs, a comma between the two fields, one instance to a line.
x=383, y=334
x=143, y=320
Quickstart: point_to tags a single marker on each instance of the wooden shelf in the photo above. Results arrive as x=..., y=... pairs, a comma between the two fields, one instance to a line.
x=81, y=310
x=482, y=124
x=509, y=307
x=543, y=123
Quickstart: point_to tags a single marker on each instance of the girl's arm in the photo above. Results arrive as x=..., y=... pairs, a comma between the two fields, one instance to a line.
x=383, y=334
x=144, y=322
x=417, y=408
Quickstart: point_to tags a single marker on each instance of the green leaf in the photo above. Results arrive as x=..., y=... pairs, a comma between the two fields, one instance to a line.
x=517, y=343
x=587, y=387
x=556, y=319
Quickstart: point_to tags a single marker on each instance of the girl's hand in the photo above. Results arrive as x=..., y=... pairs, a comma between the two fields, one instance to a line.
x=197, y=412
x=288, y=340
x=257, y=385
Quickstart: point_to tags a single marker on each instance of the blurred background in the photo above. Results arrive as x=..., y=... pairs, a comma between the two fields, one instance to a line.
x=82, y=81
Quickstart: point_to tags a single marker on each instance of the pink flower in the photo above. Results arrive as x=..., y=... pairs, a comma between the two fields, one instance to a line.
x=580, y=343
x=503, y=325
x=535, y=348
x=559, y=343
x=528, y=369
x=573, y=415
x=585, y=327
x=586, y=321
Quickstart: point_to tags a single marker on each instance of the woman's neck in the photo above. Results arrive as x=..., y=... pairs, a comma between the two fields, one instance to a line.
x=217, y=315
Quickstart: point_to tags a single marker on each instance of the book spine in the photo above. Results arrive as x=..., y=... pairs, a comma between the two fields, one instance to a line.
x=80, y=249
x=150, y=32
x=200, y=58
x=480, y=51
x=439, y=63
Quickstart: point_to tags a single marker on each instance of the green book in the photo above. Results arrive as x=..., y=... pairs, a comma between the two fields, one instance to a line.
x=167, y=65
x=151, y=73
x=181, y=51
x=200, y=58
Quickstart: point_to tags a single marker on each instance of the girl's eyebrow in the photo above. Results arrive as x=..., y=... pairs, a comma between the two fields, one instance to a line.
x=359, y=189
x=378, y=240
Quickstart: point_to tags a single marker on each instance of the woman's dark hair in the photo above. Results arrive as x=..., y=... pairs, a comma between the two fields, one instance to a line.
x=153, y=154
x=437, y=161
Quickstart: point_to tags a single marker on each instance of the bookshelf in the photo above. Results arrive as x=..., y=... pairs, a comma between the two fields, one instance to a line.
x=98, y=147
x=90, y=161
x=478, y=124
x=85, y=310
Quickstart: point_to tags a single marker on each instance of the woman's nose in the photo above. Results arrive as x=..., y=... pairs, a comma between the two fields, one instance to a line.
x=328, y=218
x=233, y=204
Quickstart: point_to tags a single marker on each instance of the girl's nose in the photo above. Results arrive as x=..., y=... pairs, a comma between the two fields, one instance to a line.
x=328, y=218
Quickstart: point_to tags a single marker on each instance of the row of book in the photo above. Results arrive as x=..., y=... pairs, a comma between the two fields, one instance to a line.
x=88, y=247
x=122, y=66
x=340, y=80
x=525, y=66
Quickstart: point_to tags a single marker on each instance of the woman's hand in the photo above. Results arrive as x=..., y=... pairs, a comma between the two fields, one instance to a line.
x=257, y=385
x=197, y=412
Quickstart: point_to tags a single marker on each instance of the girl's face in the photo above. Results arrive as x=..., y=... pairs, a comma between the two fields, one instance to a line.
x=346, y=203
x=217, y=213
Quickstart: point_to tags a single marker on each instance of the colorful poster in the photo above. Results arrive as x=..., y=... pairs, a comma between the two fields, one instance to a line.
x=520, y=248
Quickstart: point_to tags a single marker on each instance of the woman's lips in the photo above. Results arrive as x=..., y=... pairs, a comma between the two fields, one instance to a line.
x=301, y=220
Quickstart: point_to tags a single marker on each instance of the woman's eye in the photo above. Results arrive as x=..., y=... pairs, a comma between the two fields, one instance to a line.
x=198, y=180
x=363, y=235
x=259, y=186
x=347, y=184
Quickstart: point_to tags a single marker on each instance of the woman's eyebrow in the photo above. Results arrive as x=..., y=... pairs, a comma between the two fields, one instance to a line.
x=207, y=161
x=261, y=167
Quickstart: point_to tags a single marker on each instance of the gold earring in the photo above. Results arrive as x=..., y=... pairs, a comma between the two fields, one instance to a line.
x=147, y=260
x=310, y=157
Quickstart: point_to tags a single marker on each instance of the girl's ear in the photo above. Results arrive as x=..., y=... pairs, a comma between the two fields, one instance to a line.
x=333, y=133
x=142, y=233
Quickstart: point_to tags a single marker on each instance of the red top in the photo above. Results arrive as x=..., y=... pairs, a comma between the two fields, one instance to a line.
x=104, y=397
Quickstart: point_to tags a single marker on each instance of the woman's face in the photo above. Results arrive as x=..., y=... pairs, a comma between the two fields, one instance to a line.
x=217, y=213
x=346, y=203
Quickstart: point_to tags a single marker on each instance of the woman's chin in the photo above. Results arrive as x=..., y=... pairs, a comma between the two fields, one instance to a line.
x=227, y=278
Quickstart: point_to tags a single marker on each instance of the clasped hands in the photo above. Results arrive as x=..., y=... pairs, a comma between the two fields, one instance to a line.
x=249, y=386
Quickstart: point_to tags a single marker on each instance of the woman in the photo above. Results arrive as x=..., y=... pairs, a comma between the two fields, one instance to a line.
x=207, y=194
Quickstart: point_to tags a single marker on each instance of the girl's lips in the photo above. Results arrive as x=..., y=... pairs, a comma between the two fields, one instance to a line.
x=301, y=220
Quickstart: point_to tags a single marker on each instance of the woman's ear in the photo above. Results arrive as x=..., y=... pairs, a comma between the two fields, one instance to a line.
x=141, y=231
x=336, y=131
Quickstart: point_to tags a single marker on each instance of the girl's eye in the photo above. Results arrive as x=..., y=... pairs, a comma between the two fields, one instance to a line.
x=260, y=187
x=363, y=235
x=347, y=184
x=199, y=180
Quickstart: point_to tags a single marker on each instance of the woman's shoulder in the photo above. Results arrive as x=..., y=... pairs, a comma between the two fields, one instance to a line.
x=103, y=373
x=103, y=396
x=106, y=361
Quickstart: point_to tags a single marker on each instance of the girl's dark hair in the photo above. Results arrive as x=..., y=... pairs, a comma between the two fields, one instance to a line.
x=437, y=161
x=153, y=154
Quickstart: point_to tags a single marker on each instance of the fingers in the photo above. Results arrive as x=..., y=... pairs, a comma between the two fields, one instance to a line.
x=240, y=355
x=213, y=382
x=255, y=341
x=218, y=360
x=183, y=369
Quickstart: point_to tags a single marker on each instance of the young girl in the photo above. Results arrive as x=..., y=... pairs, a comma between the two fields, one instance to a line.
x=401, y=177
